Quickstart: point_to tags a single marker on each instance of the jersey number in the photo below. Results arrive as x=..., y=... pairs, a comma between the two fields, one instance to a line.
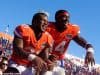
x=60, y=46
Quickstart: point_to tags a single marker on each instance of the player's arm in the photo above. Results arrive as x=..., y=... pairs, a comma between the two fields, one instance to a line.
x=18, y=47
x=82, y=42
x=46, y=52
x=47, y=57
x=89, y=53
x=18, y=44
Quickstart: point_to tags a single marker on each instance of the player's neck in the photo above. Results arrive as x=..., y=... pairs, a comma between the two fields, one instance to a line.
x=37, y=33
x=60, y=28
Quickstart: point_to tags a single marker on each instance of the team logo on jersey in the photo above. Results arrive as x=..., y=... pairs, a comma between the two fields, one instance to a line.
x=69, y=36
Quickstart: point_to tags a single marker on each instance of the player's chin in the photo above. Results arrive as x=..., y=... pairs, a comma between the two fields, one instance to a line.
x=43, y=29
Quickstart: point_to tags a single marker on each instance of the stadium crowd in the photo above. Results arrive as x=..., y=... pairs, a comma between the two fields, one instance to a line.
x=77, y=67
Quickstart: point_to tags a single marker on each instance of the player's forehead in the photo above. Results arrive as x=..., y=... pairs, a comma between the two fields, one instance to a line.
x=43, y=17
x=63, y=14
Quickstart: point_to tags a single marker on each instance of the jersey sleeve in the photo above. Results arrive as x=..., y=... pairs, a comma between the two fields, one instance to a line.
x=20, y=31
x=76, y=30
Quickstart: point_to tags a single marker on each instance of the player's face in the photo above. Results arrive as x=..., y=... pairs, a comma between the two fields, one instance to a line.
x=62, y=21
x=43, y=23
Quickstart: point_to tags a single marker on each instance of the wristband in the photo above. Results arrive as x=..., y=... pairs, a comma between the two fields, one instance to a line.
x=31, y=57
x=90, y=50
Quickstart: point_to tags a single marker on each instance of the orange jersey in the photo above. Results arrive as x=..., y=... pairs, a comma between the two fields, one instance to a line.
x=29, y=40
x=62, y=39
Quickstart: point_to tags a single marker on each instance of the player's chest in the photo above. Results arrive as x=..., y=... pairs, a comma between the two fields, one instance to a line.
x=66, y=35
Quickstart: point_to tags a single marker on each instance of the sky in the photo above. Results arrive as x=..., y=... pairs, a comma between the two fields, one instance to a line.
x=85, y=13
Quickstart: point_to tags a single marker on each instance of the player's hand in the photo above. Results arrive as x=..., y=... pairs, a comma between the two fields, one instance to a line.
x=53, y=58
x=89, y=59
x=50, y=65
x=39, y=64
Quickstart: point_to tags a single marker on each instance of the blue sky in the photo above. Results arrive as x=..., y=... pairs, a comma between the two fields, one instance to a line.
x=85, y=13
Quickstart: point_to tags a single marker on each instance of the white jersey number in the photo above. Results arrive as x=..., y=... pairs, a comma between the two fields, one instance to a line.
x=60, y=46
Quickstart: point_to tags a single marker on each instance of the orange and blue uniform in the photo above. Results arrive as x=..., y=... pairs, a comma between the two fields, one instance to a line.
x=29, y=40
x=62, y=39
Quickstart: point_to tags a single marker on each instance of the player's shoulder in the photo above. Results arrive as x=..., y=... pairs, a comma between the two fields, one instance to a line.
x=22, y=29
x=73, y=26
x=50, y=38
x=22, y=26
x=47, y=34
